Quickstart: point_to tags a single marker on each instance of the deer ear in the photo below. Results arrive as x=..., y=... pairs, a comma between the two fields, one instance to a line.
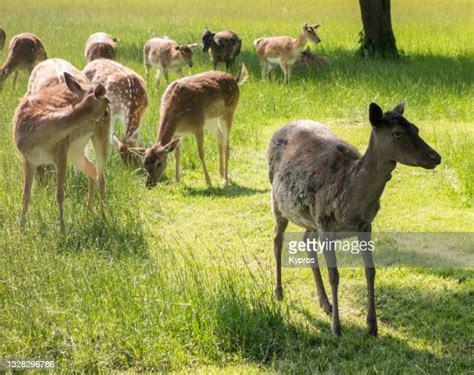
x=375, y=115
x=400, y=107
x=116, y=141
x=305, y=26
x=316, y=26
x=72, y=84
x=99, y=91
x=116, y=40
x=194, y=45
x=172, y=145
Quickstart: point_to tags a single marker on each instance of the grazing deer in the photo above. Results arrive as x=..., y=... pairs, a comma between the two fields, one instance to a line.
x=54, y=121
x=126, y=91
x=100, y=45
x=24, y=52
x=322, y=184
x=189, y=105
x=224, y=46
x=3, y=37
x=283, y=50
x=166, y=55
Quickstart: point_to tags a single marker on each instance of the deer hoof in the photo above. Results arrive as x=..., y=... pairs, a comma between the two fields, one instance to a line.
x=278, y=293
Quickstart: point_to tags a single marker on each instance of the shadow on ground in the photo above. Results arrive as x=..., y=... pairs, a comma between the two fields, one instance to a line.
x=231, y=190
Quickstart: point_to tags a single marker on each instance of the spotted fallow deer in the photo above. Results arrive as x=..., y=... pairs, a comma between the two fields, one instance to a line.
x=324, y=185
x=24, y=52
x=283, y=50
x=189, y=105
x=56, y=118
x=3, y=38
x=167, y=55
x=100, y=45
x=126, y=91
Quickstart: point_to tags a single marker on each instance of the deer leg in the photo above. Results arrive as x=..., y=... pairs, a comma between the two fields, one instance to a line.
x=177, y=153
x=28, y=170
x=220, y=146
x=226, y=132
x=158, y=76
x=147, y=72
x=82, y=163
x=364, y=238
x=200, y=144
x=331, y=262
x=323, y=298
x=289, y=67
x=281, y=223
x=284, y=68
x=99, y=141
x=15, y=77
x=167, y=77
x=61, y=163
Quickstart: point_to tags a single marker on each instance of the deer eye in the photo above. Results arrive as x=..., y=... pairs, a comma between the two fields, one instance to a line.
x=397, y=134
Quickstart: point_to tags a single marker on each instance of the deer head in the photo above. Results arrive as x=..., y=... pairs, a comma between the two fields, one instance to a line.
x=186, y=53
x=310, y=32
x=207, y=39
x=398, y=139
x=155, y=159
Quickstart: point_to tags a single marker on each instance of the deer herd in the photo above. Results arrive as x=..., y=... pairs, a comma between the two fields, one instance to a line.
x=319, y=182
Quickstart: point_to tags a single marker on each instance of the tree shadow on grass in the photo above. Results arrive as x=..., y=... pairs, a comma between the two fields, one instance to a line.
x=231, y=190
x=264, y=334
x=427, y=70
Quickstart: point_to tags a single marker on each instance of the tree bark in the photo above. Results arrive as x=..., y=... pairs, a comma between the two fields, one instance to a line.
x=378, y=39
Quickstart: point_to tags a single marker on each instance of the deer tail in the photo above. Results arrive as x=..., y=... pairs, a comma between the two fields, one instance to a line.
x=243, y=75
x=256, y=41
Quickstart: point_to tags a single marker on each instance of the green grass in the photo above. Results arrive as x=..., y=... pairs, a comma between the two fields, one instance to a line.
x=179, y=278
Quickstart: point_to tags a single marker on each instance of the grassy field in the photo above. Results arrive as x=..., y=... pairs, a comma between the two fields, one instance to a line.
x=179, y=278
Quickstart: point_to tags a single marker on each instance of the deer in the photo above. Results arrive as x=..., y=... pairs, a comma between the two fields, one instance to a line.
x=223, y=46
x=100, y=45
x=126, y=91
x=3, y=38
x=283, y=50
x=167, y=55
x=24, y=52
x=54, y=121
x=189, y=105
x=309, y=60
x=325, y=186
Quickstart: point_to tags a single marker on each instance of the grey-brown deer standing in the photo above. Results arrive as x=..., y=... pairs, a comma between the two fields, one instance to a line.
x=323, y=184
x=24, y=52
x=100, y=45
x=126, y=91
x=283, y=50
x=224, y=46
x=188, y=106
x=54, y=121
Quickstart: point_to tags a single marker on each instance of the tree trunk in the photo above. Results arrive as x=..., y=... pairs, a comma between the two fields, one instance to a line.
x=377, y=39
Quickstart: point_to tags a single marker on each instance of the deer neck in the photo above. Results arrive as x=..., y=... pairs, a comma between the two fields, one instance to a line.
x=166, y=133
x=370, y=176
x=301, y=41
